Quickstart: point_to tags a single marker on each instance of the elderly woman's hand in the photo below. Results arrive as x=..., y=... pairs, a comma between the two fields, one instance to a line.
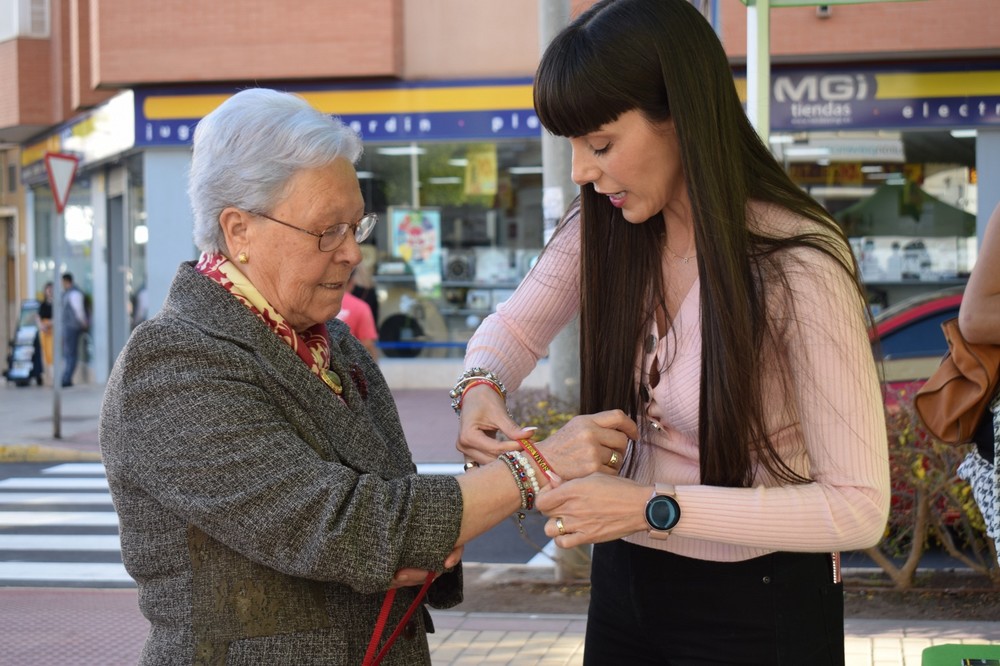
x=410, y=576
x=483, y=414
x=589, y=443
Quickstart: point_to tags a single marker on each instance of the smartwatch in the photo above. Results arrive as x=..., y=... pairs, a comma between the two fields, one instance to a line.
x=662, y=511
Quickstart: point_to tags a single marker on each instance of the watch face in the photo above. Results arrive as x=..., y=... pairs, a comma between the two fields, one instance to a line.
x=662, y=512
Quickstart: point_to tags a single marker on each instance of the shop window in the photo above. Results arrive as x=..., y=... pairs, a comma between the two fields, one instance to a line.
x=906, y=201
x=461, y=225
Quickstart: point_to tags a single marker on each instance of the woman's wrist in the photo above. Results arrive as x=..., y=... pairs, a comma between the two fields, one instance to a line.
x=471, y=377
x=537, y=459
x=479, y=389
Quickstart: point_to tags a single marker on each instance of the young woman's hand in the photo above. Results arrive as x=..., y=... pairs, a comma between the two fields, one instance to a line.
x=593, y=509
x=483, y=414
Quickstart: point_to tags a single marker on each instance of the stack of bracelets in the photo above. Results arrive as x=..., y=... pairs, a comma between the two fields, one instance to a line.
x=475, y=377
x=524, y=477
x=519, y=464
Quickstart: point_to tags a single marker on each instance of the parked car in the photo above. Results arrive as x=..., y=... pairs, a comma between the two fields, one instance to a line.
x=908, y=340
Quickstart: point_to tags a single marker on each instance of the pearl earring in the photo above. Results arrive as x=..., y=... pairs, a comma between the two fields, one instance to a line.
x=243, y=258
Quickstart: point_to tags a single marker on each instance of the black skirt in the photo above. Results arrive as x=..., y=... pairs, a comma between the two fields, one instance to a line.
x=648, y=606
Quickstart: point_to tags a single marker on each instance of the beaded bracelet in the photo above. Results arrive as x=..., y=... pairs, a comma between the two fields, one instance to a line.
x=540, y=460
x=529, y=470
x=521, y=479
x=469, y=376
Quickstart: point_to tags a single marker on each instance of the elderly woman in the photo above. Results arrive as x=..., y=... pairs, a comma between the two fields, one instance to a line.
x=269, y=507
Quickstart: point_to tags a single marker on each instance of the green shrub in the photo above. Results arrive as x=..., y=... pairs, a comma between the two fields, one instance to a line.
x=539, y=408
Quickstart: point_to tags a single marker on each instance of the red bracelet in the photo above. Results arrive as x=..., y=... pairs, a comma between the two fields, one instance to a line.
x=536, y=455
x=477, y=382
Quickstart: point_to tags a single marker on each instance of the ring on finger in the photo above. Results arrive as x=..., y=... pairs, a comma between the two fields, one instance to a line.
x=470, y=464
x=560, y=526
x=614, y=459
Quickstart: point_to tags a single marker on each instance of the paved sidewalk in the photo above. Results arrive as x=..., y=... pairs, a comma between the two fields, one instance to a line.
x=27, y=423
x=103, y=627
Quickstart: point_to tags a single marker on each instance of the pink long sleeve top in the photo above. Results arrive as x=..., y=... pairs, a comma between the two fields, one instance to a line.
x=827, y=423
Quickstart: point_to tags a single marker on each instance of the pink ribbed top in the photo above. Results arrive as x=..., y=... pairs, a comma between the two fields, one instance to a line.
x=826, y=423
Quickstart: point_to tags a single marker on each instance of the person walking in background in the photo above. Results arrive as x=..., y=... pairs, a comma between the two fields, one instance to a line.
x=364, y=288
x=45, y=328
x=979, y=322
x=74, y=323
x=720, y=307
x=45, y=324
x=269, y=508
x=359, y=318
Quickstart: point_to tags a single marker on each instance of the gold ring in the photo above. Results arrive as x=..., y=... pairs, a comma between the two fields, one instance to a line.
x=614, y=459
x=560, y=527
x=470, y=464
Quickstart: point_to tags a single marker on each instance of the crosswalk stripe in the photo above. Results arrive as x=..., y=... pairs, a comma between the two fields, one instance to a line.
x=54, y=498
x=450, y=469
x=43, y=483
x=90, y=572
x=75, y=468
x=67, y=542
x=546, y=557
x=98, y=468
x=58, y=518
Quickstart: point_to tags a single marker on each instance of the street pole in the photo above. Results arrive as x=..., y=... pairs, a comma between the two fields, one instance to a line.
x=759, y=66
x=59, y=359
x=61, y=169
x=558, y=191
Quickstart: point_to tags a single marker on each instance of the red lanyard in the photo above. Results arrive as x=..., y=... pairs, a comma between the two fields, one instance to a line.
x=372, y=659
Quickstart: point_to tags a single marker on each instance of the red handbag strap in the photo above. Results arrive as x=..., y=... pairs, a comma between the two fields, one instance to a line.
x=372, y=659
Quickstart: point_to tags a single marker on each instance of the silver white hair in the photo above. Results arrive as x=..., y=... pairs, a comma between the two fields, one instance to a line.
x=249, y=147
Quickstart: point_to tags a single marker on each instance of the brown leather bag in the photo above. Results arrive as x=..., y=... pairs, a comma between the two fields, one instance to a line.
x=953, y=401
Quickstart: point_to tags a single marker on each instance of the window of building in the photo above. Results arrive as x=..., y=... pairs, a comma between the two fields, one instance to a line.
x=906, y=200
x=78, y=235
x=461, y=225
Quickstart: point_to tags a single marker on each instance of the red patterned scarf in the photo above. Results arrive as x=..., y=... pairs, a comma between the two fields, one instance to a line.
x=312, y=345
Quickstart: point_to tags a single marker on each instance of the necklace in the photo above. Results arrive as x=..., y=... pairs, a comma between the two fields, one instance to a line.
x=684, y=259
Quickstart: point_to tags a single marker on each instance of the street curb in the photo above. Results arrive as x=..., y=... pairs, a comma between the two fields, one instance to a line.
x=38, y=453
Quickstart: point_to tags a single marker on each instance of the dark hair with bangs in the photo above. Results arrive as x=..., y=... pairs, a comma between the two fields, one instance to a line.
x=577, y=89
x=662, y=58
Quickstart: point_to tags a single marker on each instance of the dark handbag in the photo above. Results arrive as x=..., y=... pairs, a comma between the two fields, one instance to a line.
x=955, y=398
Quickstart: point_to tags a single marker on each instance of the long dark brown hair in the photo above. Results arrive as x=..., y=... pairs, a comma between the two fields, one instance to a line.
x=661, y=57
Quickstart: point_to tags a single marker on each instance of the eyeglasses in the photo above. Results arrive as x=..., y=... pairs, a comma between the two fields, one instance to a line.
x=335, y=236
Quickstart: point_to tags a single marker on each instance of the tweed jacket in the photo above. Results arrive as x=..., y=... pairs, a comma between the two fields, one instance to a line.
x=261, y=516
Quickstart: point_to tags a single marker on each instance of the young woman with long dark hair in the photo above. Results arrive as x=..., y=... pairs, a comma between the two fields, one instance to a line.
x=720, y=307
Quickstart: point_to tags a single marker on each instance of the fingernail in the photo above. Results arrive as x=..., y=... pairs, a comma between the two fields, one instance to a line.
x=532, y=428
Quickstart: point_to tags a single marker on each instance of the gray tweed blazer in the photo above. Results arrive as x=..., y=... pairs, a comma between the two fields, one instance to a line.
x=261, y=517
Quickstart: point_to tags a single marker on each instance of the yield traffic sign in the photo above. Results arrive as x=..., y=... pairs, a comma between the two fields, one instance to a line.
x=61, y=169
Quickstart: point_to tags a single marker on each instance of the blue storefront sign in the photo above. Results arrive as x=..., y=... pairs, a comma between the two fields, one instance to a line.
x=453, y=110
x=870, y=98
